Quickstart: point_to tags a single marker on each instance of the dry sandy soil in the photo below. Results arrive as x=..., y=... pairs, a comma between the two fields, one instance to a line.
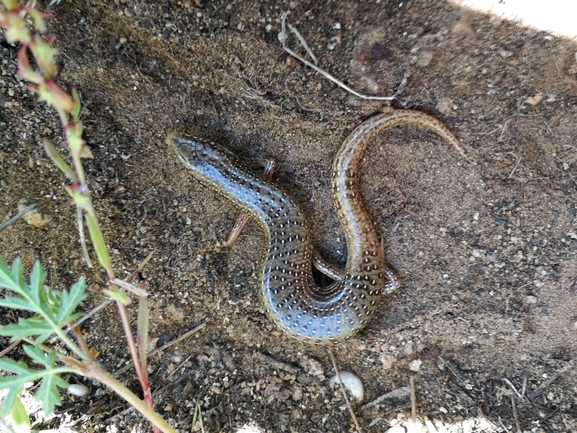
x=485, y=251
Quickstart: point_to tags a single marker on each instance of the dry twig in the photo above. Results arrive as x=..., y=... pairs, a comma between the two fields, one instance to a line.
x=342, y=387
x=166, y=346
x=282, y=37
x=413, y=399
x=275, y=363
x=17, y=216
x=394, y=394
x=515, y=417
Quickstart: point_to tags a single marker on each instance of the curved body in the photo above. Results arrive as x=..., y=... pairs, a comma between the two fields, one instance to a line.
x=291, y=298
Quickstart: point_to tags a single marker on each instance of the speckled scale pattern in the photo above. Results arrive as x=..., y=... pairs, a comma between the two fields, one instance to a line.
x=292, y=300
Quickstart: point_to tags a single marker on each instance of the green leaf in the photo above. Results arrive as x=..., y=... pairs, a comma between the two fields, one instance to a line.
x=74, y=138
x=49, y=92
x=17, y=30
x=77, y=105
x=48, y=392
x=6, y=278
x=17, y=272
x=57, y=159
x=16, y=302
x=25, y=70
x=39, y=356
x=53, y=309
x=142, y=329
x=14, y=384
x=37, y=278
x=10, y=4
x=12, y=366
x=118, y=295
x=98, y=241
x=34, y=326
x=70, y=300
x=38, y=19
x=44, y=55
x=20, y=417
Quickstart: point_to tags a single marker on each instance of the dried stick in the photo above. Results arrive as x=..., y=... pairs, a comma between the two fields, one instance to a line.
x=394, y=394
x=282, y=37
x=303, y=42
x=17, y=217
x=166, y=346
x=413, y=399
x=275, y=363
x=514, y=406
x=9, y=348
x=342, y=387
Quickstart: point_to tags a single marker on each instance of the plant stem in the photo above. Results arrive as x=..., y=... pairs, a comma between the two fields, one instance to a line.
x=130, y=339
x=94, y=370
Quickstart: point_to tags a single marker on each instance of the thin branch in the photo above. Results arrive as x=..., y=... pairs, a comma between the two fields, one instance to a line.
x=508, y=382
x=17, y=216
x=303, y=42
x=515, y=416
x=166, y=346
x=128, y=286
x=200, y=415
x=282, y=37
x=516, y=165
x=140, y=267
x=89, y=315
x=178, y=340
x=413, y=399
x=9, y=348
x=394, y=394
x=342, y=388
x=549, y=381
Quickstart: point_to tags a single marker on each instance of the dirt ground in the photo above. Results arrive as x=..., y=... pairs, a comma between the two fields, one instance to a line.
x=487, y=309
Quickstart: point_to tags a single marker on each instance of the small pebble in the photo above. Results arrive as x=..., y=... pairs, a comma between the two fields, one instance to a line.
x=351, y=383
x=534, y=100
x=387, y=361
x=415, y=365
x=78, y=389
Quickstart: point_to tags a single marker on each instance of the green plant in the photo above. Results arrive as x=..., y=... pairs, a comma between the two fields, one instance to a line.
x=53, y=310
